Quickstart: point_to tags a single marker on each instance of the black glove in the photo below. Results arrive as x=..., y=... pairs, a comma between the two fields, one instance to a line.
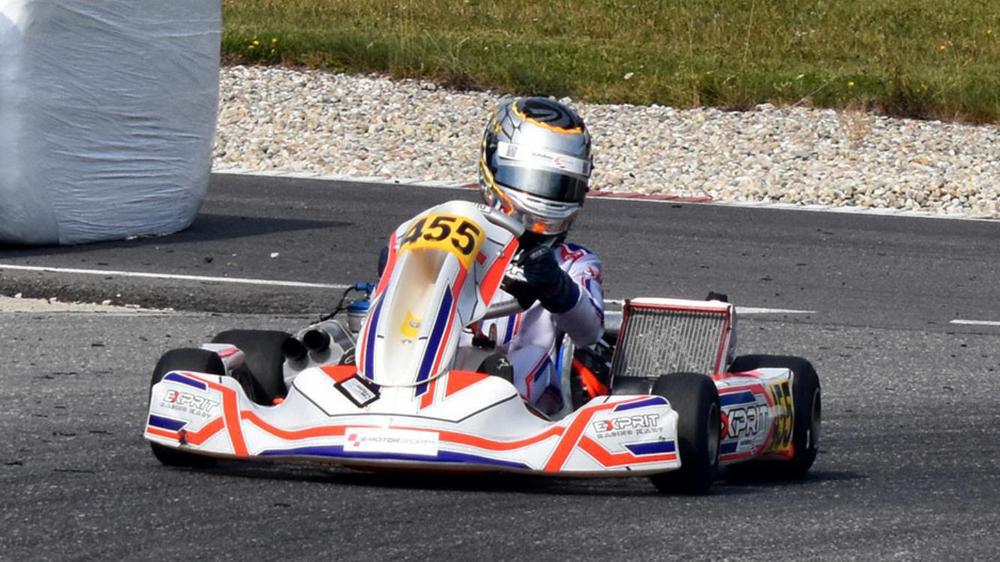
x=544, y=281
x=383, y=260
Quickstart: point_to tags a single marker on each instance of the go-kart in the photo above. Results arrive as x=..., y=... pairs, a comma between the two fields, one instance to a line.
x=384, y=383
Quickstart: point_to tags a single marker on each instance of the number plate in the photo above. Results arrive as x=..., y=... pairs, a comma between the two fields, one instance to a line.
x=450, y=233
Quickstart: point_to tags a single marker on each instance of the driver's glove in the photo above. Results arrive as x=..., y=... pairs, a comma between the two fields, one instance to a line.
x=383, y=260
x=544, y=281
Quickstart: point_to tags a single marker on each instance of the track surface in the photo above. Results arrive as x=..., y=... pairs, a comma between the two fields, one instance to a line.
x=909, y=466
x=856, y=269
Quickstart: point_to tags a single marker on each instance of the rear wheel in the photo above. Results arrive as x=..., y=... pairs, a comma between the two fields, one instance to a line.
x=184, y=359
x=695, y=398
x=807, y=408
x=622, y=386
x=264, y=360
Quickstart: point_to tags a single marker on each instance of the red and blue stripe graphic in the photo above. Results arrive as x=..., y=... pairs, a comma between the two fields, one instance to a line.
x=431, y=352
x=444, y=457
x=367, y=352
x=651, y=401
x=184, y=379
x=536, y=373
x=745, y=397
x=738, y=396
x=654, y=448
x=587, y=283
x=509, y=332
x=570, y=438
x=727, y=448
x=166, y=423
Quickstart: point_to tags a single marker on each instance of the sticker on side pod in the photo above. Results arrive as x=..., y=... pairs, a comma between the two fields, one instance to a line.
x=358, y=390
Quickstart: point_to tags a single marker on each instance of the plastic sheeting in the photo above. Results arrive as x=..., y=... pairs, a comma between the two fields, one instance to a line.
x=107, y=117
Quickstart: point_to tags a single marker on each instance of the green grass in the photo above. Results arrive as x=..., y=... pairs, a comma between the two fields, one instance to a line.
x=919, y=58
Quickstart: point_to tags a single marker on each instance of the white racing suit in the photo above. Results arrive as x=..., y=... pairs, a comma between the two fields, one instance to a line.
x=530, y=339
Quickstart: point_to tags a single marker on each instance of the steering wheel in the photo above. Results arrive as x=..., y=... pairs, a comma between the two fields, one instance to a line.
x=512, y=225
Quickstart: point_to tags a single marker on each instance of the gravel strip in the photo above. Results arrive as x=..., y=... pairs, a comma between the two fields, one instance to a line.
x=312, y=122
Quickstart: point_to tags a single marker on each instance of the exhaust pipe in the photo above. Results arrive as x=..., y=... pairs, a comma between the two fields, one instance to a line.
x=293, y=350
x=317, y=341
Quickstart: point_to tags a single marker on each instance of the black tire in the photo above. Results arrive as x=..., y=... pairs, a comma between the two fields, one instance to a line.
x=497, y=365
x=184, y=359
x=264, y=360
x=622, y=386
x=695, y=398
x=807, y=411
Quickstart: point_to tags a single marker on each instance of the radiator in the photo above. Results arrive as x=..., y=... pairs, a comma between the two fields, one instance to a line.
x=660, y=336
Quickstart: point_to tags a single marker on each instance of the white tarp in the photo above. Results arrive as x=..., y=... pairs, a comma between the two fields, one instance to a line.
x=107, y=117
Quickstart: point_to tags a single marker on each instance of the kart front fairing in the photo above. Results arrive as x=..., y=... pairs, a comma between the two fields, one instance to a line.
x=471, y=421
x=443, y=270
x=405, y=403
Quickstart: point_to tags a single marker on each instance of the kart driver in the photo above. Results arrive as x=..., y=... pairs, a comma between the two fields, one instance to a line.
x=535, y=165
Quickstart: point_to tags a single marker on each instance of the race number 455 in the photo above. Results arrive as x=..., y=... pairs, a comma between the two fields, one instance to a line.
x=450, y=233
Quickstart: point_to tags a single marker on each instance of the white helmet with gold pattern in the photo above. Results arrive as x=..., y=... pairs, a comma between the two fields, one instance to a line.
x=535, y=163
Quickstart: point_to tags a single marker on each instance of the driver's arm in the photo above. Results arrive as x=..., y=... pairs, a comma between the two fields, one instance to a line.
x=568, y=286
x=584, y=321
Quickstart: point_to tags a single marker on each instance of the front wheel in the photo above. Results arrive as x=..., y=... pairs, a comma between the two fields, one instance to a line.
x=807, y=410
x=695, y=398
x=263, y=359
x=184, y=359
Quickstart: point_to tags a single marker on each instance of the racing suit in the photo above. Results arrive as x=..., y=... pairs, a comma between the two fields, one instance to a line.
x=531, y=338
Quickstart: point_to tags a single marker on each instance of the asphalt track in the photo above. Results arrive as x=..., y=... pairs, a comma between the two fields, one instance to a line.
x=909, y=459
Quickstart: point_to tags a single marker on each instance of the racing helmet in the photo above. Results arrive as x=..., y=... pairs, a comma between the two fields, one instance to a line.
x=535, y=163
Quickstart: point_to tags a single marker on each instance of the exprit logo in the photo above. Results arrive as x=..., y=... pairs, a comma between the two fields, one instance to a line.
x=620, y=423
x=745, y=421
x=187, y=402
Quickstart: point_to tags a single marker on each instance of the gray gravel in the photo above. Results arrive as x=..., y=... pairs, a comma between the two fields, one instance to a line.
x=319, y=123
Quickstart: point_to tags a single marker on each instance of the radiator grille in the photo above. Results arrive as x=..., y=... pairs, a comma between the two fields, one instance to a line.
x=655, y=342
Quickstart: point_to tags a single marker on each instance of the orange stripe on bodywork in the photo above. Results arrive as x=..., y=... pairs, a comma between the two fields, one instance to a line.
x=296, y=434
x=491, y=281
x=575, y=431
x=162, y=433
x=608, y=459
x=390, y=263
x=428, y=398
x=457, y=380
x=447, y=436
x=231, y=416
x=193, y=438
x=340, y=373
x=443, y=343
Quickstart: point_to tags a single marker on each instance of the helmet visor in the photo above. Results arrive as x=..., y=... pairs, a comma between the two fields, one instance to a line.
x=550, y=185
